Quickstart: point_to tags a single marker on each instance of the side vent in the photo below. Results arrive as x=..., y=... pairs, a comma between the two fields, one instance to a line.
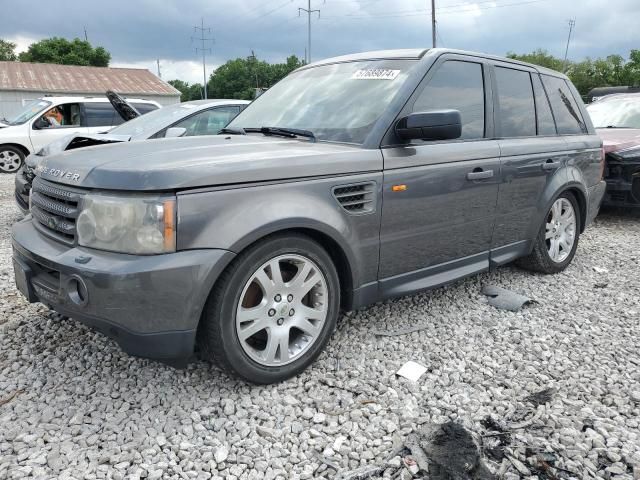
x=356, y=198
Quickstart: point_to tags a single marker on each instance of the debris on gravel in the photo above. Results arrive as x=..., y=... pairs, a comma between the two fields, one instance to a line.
x=89, y=411
x=505, y=299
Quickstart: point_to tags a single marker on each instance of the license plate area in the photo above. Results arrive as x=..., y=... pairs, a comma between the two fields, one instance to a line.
x=23, y=275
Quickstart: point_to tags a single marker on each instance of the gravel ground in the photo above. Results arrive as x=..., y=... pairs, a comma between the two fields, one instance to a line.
x=72, y=405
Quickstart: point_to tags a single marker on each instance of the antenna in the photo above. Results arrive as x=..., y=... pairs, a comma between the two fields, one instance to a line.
x=572, y=24
x=204, y=50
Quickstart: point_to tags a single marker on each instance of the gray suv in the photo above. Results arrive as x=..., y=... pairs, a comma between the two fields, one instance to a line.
x=353, y=180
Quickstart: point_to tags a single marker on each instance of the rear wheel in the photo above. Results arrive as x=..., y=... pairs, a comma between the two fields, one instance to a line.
x=272, y=311
x=11, y=159
x=557, y=241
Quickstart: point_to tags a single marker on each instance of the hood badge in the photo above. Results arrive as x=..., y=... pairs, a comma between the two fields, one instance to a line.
x=57, y=173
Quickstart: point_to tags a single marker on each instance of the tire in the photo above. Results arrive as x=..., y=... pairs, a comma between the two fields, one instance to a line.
x=277, y=349
x=545, y=260
x=11, y=159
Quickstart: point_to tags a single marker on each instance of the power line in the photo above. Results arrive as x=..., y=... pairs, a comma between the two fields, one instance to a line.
x=448, y=10
x=308, y=11
x=572, y=23
x=204, y=51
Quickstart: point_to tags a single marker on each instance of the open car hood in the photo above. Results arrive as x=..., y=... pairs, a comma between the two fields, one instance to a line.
x=124, y=108
x=615, y=139
x=74, y=141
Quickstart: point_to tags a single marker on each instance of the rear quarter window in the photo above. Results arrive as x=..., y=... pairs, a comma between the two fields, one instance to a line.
x=144, y=107
x=517, y=112
x=565, y=109
x=546, y=124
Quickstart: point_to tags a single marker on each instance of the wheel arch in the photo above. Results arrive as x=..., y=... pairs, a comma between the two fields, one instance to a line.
x=340, y=255
x=581, y=198
x=19, y=146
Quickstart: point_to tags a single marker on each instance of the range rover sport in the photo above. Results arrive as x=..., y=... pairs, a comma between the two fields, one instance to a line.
x=352, y=180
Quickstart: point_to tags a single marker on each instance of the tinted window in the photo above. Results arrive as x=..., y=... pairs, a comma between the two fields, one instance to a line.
x=65, y=115
x=565, y=110
x=144, y=107
x=101, y=115
x=546, y=125
x=459, y=86
x=515, y=103
x=208, y=122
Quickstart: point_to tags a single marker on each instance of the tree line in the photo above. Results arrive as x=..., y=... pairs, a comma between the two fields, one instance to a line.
x=611, y=71
x=57, y=50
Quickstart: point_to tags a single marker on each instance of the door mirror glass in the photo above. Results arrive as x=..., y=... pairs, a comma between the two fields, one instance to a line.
x=174, y=132
x=431, y=125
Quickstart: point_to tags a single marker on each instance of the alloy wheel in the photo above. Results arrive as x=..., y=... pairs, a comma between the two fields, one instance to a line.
x=282, y=310
x=560, y=234
x=10, y=161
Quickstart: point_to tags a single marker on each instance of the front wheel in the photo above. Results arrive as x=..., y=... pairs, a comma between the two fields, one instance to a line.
x=557, y=241
x=272, y=311
x=11, y=159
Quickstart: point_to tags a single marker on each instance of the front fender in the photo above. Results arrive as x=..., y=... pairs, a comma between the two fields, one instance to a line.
x=233, y=219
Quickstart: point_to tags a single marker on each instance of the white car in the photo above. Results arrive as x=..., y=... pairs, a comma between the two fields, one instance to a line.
x=50, y=118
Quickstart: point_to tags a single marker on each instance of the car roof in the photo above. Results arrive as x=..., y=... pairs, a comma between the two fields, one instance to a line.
x=60, y=99
x=419, y=53
x=215, y=102
x=612, y=96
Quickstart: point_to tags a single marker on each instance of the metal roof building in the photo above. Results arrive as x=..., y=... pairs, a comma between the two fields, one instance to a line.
x=21, y=82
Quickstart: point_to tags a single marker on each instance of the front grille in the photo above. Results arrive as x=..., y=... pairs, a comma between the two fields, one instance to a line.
x=356, y=198
x=54, y=208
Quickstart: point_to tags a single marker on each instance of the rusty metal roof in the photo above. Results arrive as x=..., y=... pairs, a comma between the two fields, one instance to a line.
x=49, y=77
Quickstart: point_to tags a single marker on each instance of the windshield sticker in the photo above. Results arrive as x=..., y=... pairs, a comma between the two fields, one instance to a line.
x=375, y=74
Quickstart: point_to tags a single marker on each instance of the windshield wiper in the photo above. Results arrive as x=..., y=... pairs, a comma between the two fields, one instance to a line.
x=615, y=126
x=233, y=131
x=283, y=132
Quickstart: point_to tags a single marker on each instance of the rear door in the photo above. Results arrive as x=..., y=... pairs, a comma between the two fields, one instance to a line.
x=532, y=154
x=439, y=197
x=100, y=117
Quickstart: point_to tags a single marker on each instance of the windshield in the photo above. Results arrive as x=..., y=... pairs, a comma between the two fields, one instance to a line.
x=29, y=111
x=339, y=102
x=152, y=122
x=616, y=112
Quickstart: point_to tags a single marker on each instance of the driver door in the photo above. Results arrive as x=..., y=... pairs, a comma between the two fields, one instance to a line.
x=55, y=123
x=439, y=197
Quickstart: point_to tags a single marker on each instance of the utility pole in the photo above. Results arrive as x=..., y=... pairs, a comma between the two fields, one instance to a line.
x=433, y=23
x=572, y=24
x=86, y=38
x=204, y=51
x=158, y=62
x=308, y=12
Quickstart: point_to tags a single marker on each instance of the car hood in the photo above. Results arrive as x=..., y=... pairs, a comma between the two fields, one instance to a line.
x=616, y=139
x=124, y=108
x=177, y=163
x=74, y=141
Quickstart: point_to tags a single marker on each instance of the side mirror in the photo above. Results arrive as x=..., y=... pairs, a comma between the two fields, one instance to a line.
x=175, y=132
x=431, y=125
x=41, y=123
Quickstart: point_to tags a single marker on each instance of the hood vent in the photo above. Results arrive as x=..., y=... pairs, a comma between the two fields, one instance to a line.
x=356, y=198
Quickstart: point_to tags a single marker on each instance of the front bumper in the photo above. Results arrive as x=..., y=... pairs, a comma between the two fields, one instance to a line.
x=595, y=195
x=150, y=305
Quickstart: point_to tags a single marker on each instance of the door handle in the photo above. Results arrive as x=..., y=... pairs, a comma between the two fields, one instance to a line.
x=479, y=174
x=550, y=165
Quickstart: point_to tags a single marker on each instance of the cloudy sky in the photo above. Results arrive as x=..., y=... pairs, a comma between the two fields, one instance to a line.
x=137, y=32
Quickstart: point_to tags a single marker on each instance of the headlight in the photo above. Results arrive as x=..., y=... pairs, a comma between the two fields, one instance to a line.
x=143, y=224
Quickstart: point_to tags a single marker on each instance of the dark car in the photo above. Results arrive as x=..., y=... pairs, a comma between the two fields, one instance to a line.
x=617, y=122
x=352, y=180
